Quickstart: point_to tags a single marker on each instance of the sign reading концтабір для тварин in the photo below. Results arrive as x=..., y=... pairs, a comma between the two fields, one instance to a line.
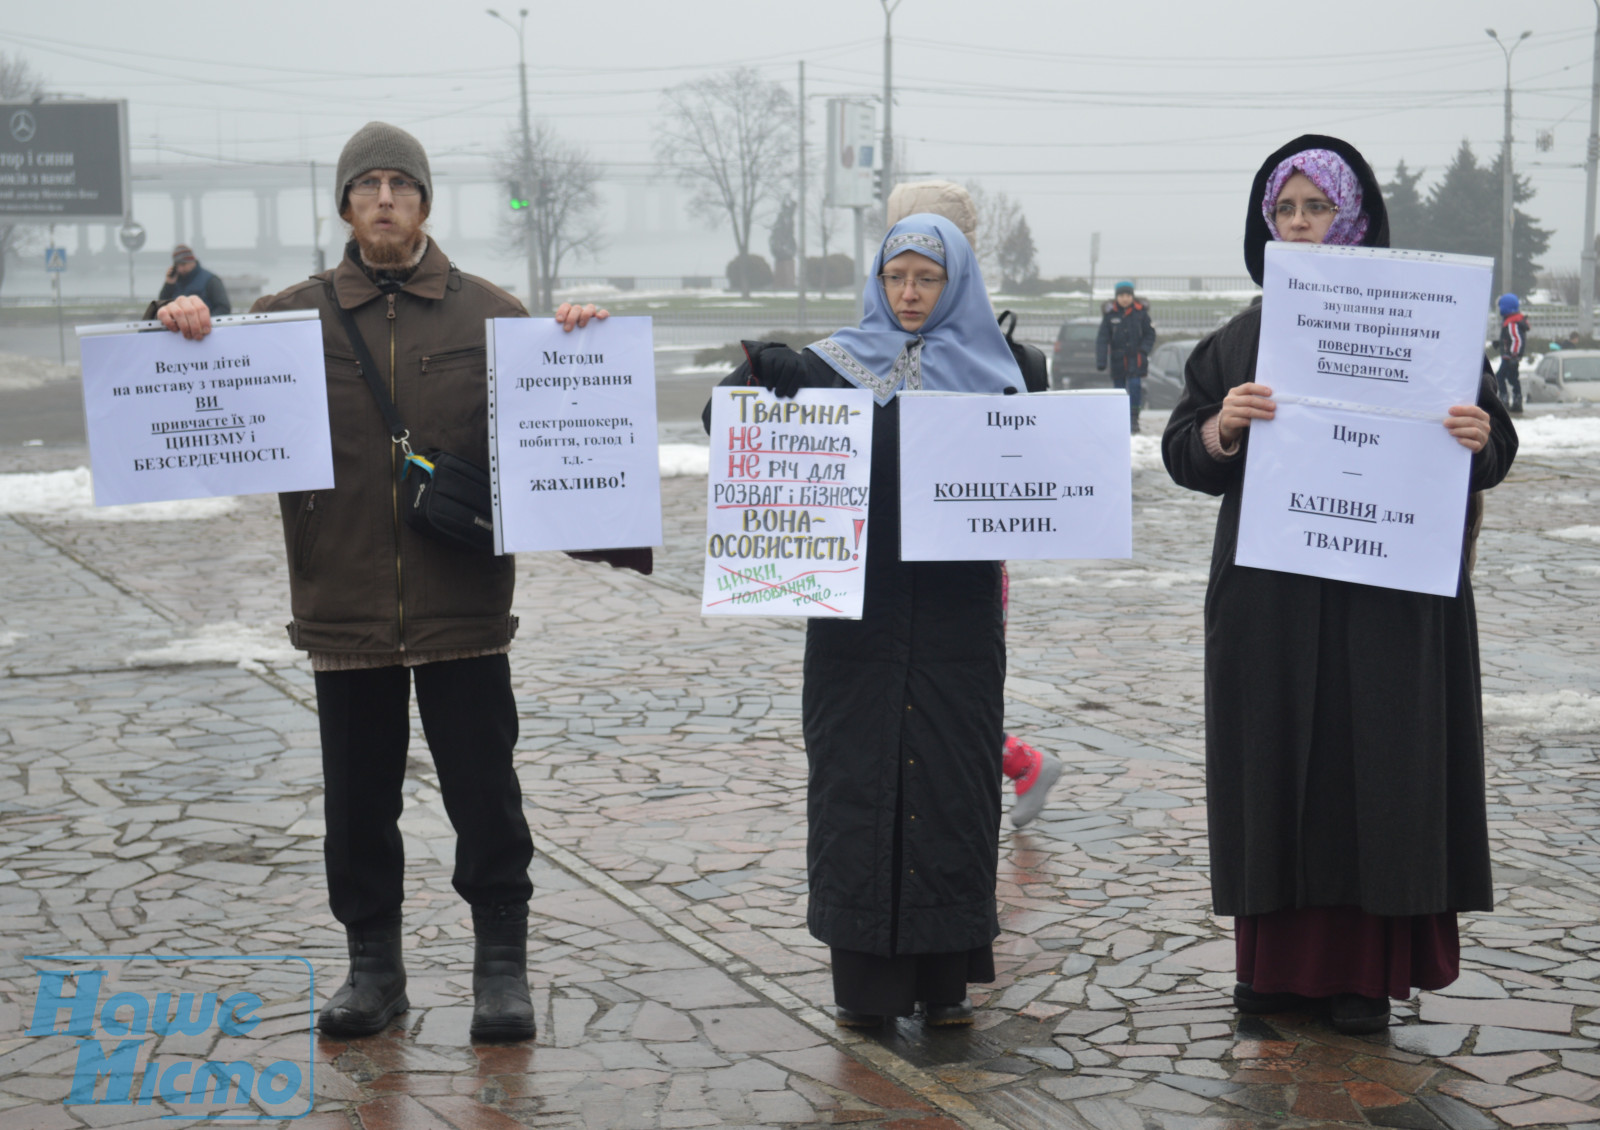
x=1356, y=478
x=995, y=478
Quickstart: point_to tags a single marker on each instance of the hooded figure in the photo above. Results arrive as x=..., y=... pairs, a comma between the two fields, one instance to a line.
x=902, y=708
x=1344, y=731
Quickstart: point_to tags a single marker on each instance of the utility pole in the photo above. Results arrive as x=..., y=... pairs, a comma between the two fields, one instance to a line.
x=800, y=250
x=886, y=159
x=520, y=27
x=319, y=259
x=1591, y=165
x=1506, y=181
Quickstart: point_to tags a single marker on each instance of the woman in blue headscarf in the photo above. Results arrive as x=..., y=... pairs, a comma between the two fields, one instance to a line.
x=902, y=708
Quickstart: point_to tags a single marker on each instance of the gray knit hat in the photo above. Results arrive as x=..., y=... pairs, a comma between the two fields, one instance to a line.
x=379, y=145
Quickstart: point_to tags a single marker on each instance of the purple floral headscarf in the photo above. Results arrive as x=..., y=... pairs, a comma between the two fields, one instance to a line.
x=1329, y=172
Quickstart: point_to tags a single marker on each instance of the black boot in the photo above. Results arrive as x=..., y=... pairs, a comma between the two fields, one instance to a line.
x=375, y=991
x=501, y=1008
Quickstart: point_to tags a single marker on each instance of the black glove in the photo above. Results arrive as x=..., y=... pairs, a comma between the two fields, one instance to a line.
x=775, y=367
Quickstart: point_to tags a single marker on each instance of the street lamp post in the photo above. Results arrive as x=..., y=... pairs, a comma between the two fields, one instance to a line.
x=886, y=158
x=1506, y=182
x=520, y=27
x=1591, y=164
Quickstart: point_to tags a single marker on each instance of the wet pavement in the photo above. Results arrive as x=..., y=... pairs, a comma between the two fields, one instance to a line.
x=159, y=796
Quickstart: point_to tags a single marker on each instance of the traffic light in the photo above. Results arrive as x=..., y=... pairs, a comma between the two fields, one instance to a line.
x=518, y=201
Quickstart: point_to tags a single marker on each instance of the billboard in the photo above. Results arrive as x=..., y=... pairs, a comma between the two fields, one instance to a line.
x=852, y=153
x=64, y=162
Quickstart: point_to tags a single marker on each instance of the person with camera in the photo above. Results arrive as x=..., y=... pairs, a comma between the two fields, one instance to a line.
x=379, y=605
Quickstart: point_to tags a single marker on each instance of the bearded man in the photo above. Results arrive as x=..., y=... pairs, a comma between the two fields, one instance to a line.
x=378, y=605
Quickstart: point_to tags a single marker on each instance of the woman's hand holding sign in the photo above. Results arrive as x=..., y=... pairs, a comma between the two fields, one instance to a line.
x=1243, y=403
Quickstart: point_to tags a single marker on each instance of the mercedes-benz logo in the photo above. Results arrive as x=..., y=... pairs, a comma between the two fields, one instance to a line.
x=23, y=127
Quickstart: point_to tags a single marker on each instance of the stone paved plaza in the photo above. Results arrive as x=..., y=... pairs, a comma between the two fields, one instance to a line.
x=159, y=795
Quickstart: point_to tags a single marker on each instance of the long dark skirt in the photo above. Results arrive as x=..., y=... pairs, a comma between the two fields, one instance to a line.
x=1319, y=951
x=892, y=986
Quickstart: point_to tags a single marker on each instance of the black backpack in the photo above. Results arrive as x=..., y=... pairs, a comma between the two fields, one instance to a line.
x=1030, y=358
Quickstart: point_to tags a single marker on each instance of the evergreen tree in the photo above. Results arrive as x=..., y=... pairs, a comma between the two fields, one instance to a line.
x=1408, y=212
x=1528, y=239
x=1018, y=266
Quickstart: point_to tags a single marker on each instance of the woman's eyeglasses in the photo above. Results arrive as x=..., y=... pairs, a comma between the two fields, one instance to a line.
x=398, y=186
x=1314, y=209
x=919, y=282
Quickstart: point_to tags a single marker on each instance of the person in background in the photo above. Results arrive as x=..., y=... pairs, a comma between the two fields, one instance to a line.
x=1344, y=722
x=1125, y=341
x=1513, y=344
x=1032, y=772
x=187, y=276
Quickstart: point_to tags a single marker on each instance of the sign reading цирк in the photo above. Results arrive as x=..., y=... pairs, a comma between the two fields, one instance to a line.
x=63, y=161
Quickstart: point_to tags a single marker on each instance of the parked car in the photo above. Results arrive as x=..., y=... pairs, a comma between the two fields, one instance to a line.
x=1564, y=375
x=1072, y=362
x=1164, y=385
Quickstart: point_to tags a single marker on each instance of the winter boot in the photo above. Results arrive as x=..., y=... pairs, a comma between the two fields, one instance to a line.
x=375, y=991
x=1516, y=403
x=501, y=1008
x=1034, y=774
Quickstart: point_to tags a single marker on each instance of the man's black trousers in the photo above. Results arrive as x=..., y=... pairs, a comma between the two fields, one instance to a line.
x=470, y=720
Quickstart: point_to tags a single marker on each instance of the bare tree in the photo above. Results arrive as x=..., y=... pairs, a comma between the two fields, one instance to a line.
x=998, y=217
x=731, y=138
x=18, y=81
x=558, y=181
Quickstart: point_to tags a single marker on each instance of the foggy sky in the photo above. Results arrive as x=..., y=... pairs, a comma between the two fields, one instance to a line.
x=1143, y=121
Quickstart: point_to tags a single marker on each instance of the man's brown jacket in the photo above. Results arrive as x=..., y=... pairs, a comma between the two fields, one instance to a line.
x=361, y=580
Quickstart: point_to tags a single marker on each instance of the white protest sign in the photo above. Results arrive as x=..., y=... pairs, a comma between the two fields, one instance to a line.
x=1355, y=496
x=787, y=503
x=242, y=411
x=1373, y=326
x=996, y=478
x=1356, y=479
x=572, y=435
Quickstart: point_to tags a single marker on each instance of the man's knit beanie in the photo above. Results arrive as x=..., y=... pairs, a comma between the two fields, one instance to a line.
x=379, y=145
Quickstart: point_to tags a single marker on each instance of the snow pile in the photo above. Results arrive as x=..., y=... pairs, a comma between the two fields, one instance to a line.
x=1567, y=712
x=9, y=639
x=681, y=460
x=1577, y=533
x=1147, y=453
x=247, y=645
x=70, y=494
x=18, y=372
x=1558, y=435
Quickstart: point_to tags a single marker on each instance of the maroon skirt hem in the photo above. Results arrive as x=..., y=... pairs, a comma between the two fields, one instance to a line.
x=1320, y=951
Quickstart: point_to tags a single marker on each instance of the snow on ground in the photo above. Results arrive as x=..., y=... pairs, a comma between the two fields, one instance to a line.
x=1567, y=711
x=1115, y=579
x=71, y=494
x=1147, y=453
x=9, y=639
x=18, y=372
x=247, y=645
x=680, y=460
x=1577, y=533
x=1558, y=435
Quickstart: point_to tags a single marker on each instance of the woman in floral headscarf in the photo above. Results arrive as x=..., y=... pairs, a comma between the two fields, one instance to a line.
x=1344, y=733
x=902, y=708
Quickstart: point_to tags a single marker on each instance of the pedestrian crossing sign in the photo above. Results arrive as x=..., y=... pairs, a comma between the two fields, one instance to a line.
x=55, y=258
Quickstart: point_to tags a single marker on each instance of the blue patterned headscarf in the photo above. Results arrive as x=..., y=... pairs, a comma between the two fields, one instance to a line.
x=960, y=347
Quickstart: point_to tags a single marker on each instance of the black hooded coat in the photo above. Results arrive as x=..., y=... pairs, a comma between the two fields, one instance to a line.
x=903, y=718
x=1344, y=726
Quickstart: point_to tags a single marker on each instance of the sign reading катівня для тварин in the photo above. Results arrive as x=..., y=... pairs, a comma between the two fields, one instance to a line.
x=1356, y=478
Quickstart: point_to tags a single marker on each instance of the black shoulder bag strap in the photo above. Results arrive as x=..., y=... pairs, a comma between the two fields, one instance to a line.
x=369, y=370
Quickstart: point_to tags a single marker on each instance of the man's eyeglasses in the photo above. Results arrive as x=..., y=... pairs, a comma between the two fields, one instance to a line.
x=1314, y=209
x=398, y=186
x=919, y=282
